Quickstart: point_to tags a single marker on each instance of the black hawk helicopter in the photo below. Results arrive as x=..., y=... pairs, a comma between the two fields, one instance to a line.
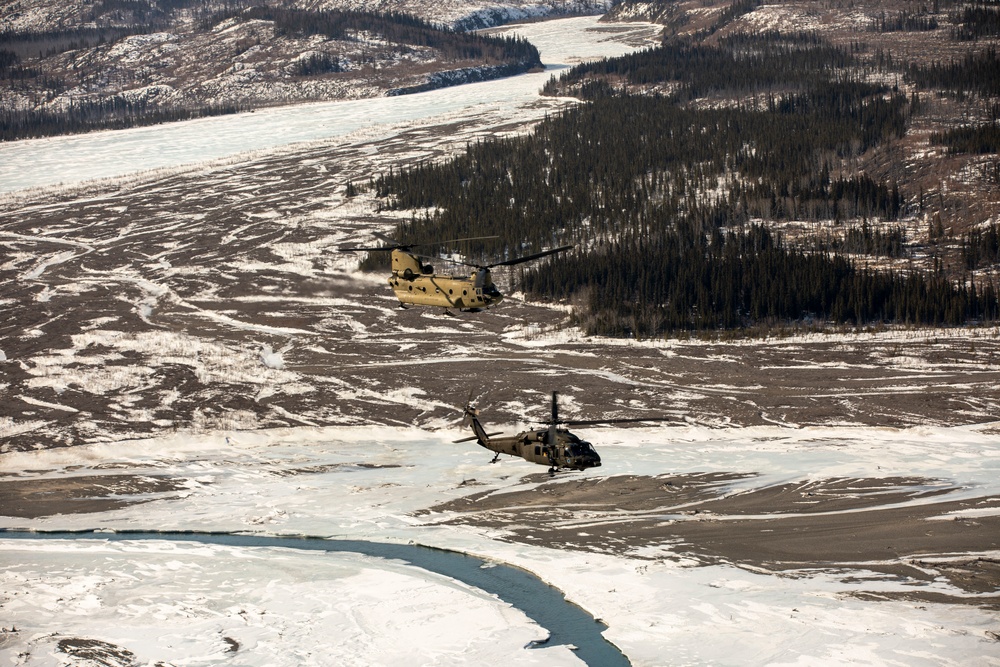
x=555, y=447
x=416, y=283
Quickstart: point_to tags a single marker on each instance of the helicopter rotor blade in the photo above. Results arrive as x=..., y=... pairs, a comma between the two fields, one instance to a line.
x=407, y=246
x=467, y=238
x=636, y=420
x=387, y=239
x=516, y=260
x=554, y=419
x=430, y=257
x=371, y=249
x=396, y=245
x=393, y=245
x=528, y=258
x=553, y=432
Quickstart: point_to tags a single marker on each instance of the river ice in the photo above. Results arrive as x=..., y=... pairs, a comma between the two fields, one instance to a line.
x=187, y=604
x=177, y=602
x=70, y=159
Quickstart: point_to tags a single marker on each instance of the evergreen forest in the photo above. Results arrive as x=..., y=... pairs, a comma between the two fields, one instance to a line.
x=675, y=207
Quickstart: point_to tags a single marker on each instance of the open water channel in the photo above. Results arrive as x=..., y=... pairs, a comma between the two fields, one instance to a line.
x=565, y=622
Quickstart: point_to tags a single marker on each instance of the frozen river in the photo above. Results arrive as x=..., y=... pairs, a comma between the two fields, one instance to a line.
x=108, y=154
x=565, y=622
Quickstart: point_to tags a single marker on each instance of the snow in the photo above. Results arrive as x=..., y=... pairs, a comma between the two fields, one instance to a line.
x=369, y=482
x=184, y=603
x=35, y=163
x=195, y=603
x=272, y=359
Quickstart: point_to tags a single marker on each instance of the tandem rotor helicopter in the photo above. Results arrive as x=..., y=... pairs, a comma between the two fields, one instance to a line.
x=416, y=284
x=555, y=447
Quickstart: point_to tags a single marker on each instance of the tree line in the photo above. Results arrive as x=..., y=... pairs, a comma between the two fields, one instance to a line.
x=395, y=27
x=976, y=21
x=743, y=63
x=507, y=55
x=974, y=139
x=981, y=247
x=614, y=161
x=661, y=197
x=974, y=73
x=106, y=113
x=903, y=21
x=685, y=280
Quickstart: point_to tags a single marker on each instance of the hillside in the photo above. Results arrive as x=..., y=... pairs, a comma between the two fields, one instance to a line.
x=115, y=63
x=800, y=163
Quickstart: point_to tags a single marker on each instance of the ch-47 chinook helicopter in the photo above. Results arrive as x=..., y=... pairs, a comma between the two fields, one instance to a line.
x=555, y=447
x=416, y=284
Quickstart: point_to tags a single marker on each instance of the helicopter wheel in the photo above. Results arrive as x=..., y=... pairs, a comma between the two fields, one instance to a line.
x=552, y=471
x=495, y=458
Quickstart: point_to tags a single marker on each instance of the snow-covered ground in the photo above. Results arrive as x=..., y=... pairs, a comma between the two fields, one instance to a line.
x=293, y=331
x=70, y=159
x=175, y=602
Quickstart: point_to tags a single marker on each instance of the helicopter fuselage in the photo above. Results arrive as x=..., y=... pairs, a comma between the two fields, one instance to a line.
x=415, y=283
x=553, y=447
x=569, y=451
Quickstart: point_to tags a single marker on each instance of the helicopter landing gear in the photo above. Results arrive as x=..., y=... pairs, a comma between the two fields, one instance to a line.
x=495, y=458
x=552, y=471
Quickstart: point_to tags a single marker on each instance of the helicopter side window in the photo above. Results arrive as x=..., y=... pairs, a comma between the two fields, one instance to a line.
x=538, y=450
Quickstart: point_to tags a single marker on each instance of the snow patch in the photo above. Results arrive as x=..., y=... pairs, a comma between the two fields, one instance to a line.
x=272, y=359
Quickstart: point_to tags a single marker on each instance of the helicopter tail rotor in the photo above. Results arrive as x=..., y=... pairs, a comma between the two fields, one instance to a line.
x=471, y=418
x=469, y=413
